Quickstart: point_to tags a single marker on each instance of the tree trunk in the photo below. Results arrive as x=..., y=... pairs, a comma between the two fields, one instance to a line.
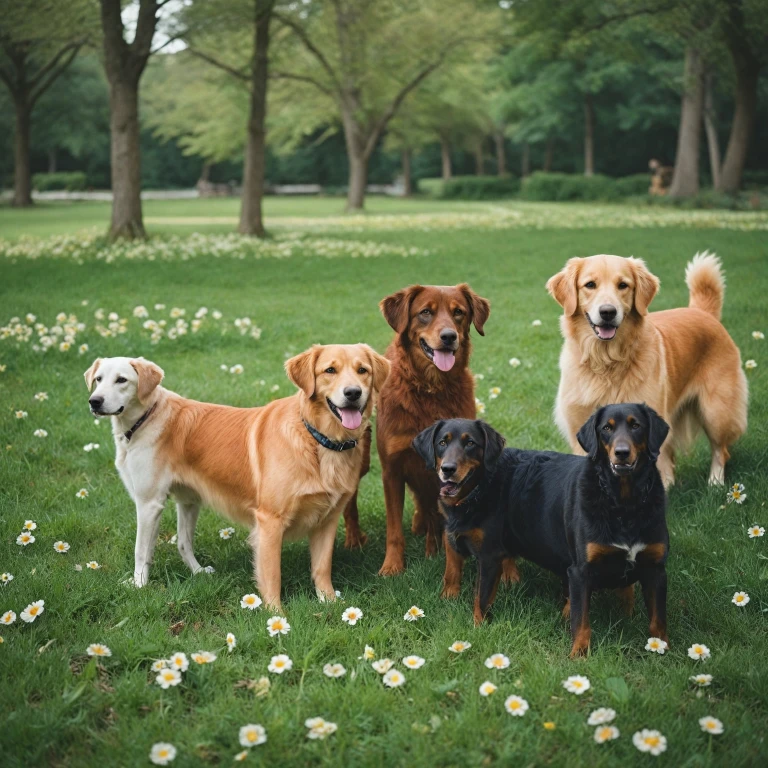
x=251, y=220
x=525, y=160
x=710, y=128
x=589, y=135
x=358, y=181
x=205, y=171
x=549, y=150
x=747, y=72
x=445, y=156
x=125, y=159
x=407, y=178
x=52, y=157
x=501, y=154
x=22, y=178
x=685, y=180
x=479, y=159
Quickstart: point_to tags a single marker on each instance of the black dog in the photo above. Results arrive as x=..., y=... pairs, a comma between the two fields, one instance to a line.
x=597, y=521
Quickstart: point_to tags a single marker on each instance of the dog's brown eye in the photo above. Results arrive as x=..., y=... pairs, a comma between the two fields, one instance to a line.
x=635, y=426
x=458, y=312
x=443, y=443
x=426, y=311
x=607, y=428
x=622, y=286
x=470, y=443
x=120, y=380
x=590, y=284
x=361, y=370
x=330, y=370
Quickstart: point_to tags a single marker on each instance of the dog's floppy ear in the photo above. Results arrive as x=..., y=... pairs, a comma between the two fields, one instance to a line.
x=301, y=369
x=90, y=374
x=587, y=435
x=494, y=445
x=658, y=429
x=646, y=285
x=381, y=367
x=397, y=307
x=479, y=308
x=564, y=286
x=424, y=444
x=150, y=375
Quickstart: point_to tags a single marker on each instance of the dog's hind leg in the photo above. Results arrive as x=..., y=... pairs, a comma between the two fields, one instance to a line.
x=654, y=583
x=580, y=592
x=186, y=519
x=488, y=577
x=627, y=598
x=148, y=514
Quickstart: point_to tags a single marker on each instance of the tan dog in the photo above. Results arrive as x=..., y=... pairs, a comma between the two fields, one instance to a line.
x=681, y=362
x=285, y=470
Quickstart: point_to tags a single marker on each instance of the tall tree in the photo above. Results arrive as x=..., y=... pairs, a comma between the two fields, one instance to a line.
x=368, y=55
x=124, y=64
x=39, y=40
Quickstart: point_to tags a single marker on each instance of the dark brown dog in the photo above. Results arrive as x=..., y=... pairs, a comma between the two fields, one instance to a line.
x=430, y=380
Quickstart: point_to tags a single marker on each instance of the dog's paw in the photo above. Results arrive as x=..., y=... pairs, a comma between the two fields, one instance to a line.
x=354, y=539
x=450, y=591
x=509, y=572
x=209, y=569
x=393, y=566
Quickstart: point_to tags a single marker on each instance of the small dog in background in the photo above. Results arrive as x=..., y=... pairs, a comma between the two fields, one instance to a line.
x=596, y=521
x=285, y=470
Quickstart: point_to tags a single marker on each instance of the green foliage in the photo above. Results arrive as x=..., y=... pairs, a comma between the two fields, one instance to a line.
x=71, y=181
x=564, y=186
x=636, y=184
x=479, y=188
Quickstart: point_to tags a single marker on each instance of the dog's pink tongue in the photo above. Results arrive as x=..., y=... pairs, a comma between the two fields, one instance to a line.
x=351, y=418
x=444, y=360
x=606, y=331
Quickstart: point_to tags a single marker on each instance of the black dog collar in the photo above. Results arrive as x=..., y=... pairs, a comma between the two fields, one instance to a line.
x=326, y=442
x=132, y=431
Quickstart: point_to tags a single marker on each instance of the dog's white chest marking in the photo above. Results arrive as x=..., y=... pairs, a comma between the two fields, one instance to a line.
x=632, y=550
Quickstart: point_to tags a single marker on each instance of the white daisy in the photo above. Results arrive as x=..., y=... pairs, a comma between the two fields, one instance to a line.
x=168, y=678
x=29, y=525
x=5, y=578
x=250, y=601
x=227, y=533
x=40, y=433
x=93, y=565
x=393, y=679
x=334, y=670
x=32, y=611
x=413, y=662
x=459, y=646
x=514, y=362
x=41, y=396
x=413, y=613
x=656, y=645
x=179, y=661
x=79, y=567
x=577, y=684
x=487, y=688
x=516, y=705
x=736, y=494
x=203, y=657
x=236, y=369
x=701, y=680
x=25, y=538
x=21, y=414
x=159, y=665
x=91, y=447
x=711, y=725
x=759, y=335
x=740, y=599
x=368, y=653
x=279, y=664
x=277, y=625
x=317, y=728
x=274, y=388
x=479, y=407
x=231, y=642
x=605, y=733
x=750, y=364
x=494, y=392
x=240, y=756
x=82, y=493
x=8, y=618
x=536, y=323
x=382, y=665
x=61, y=547
x=98, y=649
x=650, y=741
x=252, y=735
x=82, y=349
x=755, y=531
x=162, y=753
x=699, y=651
x=601, y=716
x=497, y=661
x=351, y=616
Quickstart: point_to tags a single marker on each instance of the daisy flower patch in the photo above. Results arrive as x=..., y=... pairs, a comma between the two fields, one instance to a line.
x=250, y=601
x=82, y=494
x=92, y=565
x=24, y=538
x=231, y=642
x=334, y=670
x=8, y=618
x=459, y=646
x=168, y=678
x=61, y=547
x=203, y=657
x=656, y=645
x=382, y=665
x=755, y=531
x=699, y=652
x=516, y=705
x=711, y=725
x=650, y=741
x=226, y=533
x=179, y=662
x=368, y=653
x=277, y=625
x=577, y=684
x=351, y=616
x=740, y=599
x=162, y=753
x=702, y=681
x=601, y=716
x=5, y=578
x=98, y=649
x=252, y=735
x=32, y=611
x=318, y=728
x=736, y=494
x=413, y=662
x=414, y=613
x=497, y=661
x=279, y=664
x=393, y=679
x=29, y=525
x=487, y=688
x=605, y=733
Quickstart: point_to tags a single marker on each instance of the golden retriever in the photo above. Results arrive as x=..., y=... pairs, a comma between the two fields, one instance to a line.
x=681, y=362
x=285, y=470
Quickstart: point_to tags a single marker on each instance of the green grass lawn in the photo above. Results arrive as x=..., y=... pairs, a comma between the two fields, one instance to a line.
x=58, y=708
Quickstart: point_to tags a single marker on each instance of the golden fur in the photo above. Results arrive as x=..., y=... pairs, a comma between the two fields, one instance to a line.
x=681, y=362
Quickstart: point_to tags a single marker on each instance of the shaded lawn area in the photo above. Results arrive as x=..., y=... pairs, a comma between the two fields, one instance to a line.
x=60, y=709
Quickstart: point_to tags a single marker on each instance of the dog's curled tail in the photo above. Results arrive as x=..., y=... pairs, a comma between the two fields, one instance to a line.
x=706, y=283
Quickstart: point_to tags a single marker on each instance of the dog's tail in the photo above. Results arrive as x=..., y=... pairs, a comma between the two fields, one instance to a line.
x=706, y=283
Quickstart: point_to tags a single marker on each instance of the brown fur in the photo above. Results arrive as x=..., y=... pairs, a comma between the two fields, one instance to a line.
x=682, y=362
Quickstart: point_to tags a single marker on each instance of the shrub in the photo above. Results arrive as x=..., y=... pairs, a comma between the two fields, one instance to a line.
x=629, y=186
x=71, y=181
x=566, y=186
x=431, y=187
x=480, y=187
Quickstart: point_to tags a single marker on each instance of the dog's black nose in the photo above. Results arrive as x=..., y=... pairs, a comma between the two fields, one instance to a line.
x=447, y=469
x=607, y=312
x=621, y=451
x=96, y=402
x=448, y=337
x=352, y=393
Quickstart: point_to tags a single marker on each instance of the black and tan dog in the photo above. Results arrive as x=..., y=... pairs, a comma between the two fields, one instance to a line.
x=597, y=521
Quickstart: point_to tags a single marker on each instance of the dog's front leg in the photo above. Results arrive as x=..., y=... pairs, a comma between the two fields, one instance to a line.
x=148, y=514
x=653, y=580
x=321, y=542
x=488, y=577
x=267, y=543
x=579, y=593
x=454, y=565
